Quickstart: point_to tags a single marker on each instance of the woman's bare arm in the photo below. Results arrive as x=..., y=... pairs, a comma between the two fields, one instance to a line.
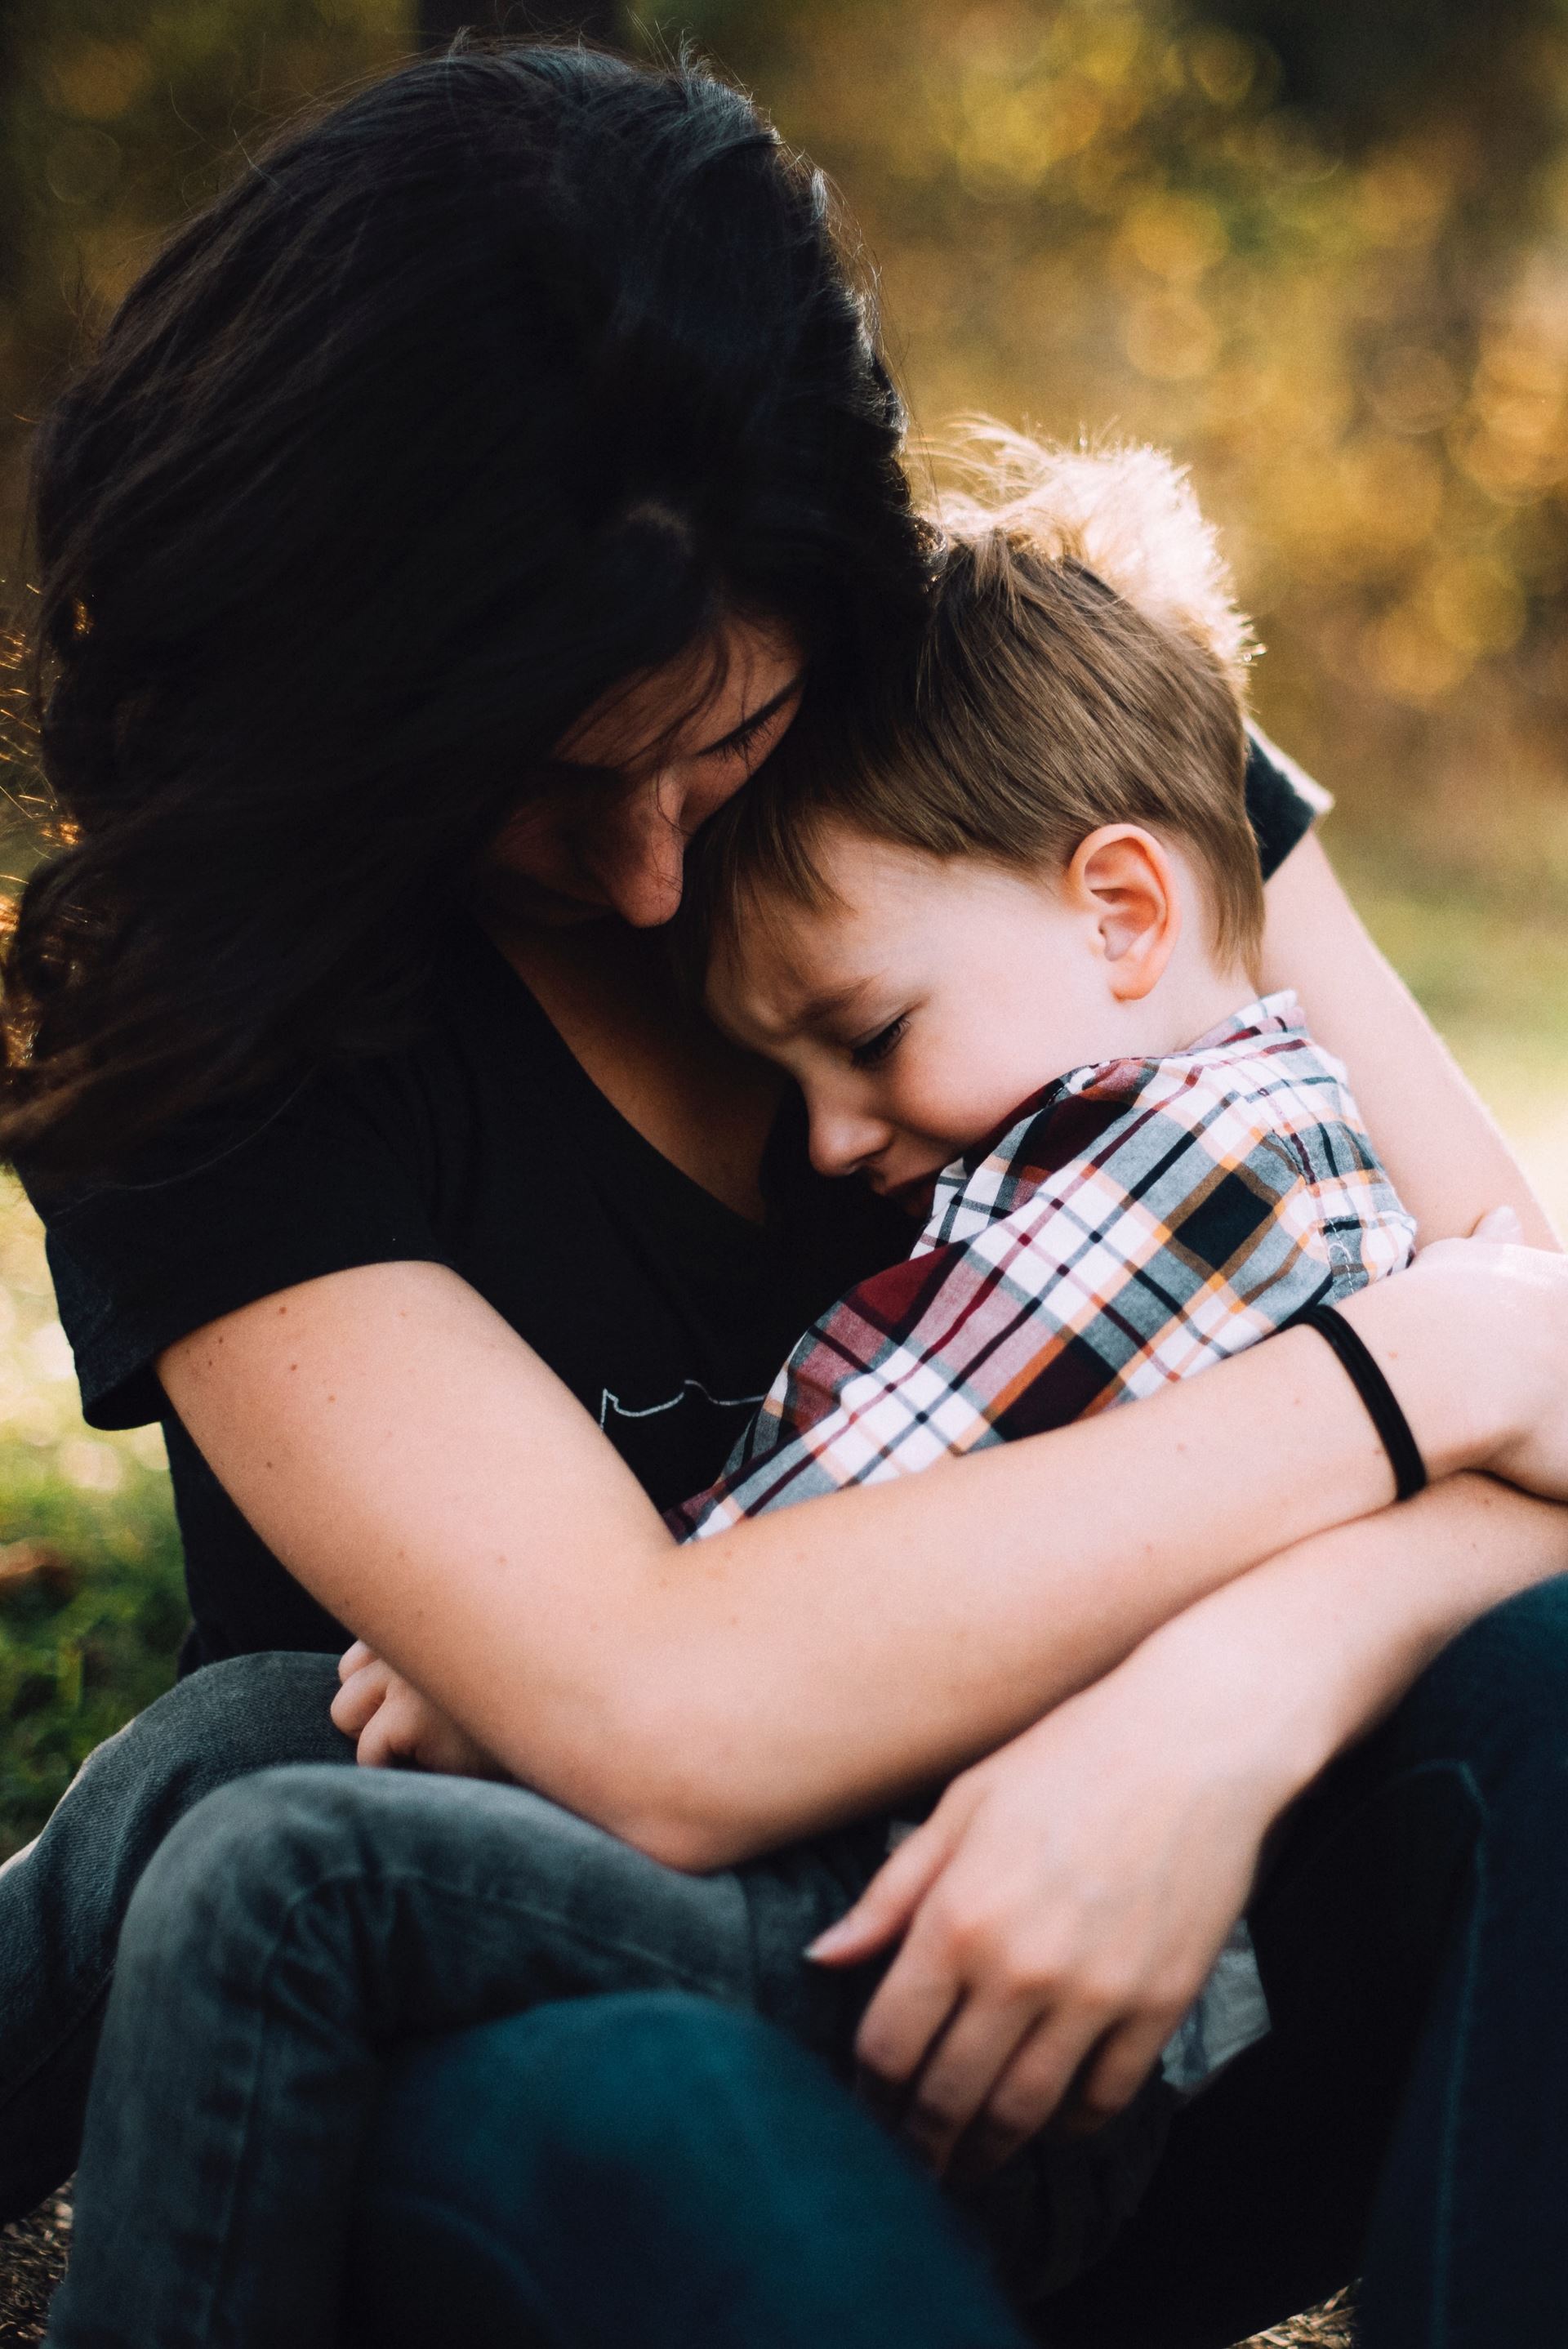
x=1448, y=1161
x=406, y=1455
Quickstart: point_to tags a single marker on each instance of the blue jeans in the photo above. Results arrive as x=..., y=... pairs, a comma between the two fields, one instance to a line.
x=298, y=1923
x=1407, y=2118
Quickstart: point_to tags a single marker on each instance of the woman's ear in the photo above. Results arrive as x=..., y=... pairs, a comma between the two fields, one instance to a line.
x=1123, y=878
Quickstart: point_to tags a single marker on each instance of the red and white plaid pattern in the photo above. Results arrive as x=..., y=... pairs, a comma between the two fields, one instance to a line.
x=1136, y=1221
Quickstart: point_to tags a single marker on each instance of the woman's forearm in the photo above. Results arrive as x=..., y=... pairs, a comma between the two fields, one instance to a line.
x=1307, y=1653
x=823, y=1659
x=427, y=1479
x=1448, y=1160
x=903, y=1629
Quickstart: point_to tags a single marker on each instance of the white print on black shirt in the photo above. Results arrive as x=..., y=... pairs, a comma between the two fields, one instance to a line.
x=610, y=1405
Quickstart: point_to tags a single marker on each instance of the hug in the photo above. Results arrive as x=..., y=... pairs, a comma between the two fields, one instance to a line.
x=614, y=997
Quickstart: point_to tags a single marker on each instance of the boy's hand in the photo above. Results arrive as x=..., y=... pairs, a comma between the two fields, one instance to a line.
x=1059, y=1910
x=395, y=1727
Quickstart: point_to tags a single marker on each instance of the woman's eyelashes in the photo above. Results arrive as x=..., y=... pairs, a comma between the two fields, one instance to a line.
x=769, y=721
x=875, y=1049
x=758, y=733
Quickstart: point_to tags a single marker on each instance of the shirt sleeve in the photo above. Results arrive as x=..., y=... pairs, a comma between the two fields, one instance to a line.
x=235, y=1205
x=1283, y=801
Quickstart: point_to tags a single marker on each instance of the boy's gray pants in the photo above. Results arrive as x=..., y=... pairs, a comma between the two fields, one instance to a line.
x=223, y=1929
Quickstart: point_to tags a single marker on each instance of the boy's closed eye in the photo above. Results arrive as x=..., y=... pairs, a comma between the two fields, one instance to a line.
x=874, y=1049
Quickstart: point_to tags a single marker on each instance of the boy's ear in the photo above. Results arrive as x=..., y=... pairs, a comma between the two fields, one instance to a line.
x=1123, y=878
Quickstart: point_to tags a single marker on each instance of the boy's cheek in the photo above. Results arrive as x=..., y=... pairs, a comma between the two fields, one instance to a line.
x=946, y=1106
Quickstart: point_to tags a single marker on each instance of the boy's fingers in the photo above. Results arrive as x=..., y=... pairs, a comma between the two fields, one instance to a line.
x=353, y=1658
x=884, y=1908
x=360, y=1697
x=386, y=1740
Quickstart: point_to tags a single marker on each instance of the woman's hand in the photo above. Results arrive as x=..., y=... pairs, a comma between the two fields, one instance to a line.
x=1530, y=1347
x=395, y=1727
x=1060, y=1910
x=1500, y=1403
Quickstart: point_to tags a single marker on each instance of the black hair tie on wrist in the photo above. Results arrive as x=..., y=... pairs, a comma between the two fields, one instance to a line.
x=1382, y=1404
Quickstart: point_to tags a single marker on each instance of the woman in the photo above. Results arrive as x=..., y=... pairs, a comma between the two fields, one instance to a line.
x=453, y=517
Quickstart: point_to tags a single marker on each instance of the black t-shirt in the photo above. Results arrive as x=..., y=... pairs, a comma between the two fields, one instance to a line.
x=482, y=1146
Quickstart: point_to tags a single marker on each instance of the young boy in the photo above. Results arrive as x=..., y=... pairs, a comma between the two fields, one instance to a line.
x=1006, y=942
x=1008, y=947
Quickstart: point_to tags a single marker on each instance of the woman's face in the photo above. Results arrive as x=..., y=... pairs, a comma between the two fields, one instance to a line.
x=580, y=849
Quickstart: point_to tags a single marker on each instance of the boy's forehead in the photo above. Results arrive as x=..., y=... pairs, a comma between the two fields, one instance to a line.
x=787, y=969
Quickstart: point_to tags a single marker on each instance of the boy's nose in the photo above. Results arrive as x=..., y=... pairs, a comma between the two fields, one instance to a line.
x=845, y=1140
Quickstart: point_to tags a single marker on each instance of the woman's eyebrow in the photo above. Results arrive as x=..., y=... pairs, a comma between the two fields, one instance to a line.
x=750, y=725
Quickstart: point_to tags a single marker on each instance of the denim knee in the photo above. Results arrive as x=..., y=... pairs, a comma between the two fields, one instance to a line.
x=235, y=1866
x=659, y=2095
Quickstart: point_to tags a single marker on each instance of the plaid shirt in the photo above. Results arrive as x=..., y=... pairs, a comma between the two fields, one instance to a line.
x=1136, y=1221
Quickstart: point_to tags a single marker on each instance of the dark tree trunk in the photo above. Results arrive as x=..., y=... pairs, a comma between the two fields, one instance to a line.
x=441, y=20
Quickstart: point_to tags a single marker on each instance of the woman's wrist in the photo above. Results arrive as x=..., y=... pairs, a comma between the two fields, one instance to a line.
x=1223, y=1687
x=1272, y=1677
x=1440, y=1336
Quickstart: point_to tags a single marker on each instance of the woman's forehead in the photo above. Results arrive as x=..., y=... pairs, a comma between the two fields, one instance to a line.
x=722, y=681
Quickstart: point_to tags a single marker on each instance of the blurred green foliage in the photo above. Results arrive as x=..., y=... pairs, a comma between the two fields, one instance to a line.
x=92, y=1598
x=76, y=1662
x=1321, y=251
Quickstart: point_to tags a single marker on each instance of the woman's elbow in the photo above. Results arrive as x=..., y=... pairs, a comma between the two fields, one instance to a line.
x=674, y=1824
x=656, y=1789
x=695, y=1846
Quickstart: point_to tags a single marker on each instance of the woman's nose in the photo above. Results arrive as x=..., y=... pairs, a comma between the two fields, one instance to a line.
x=844, y=1139
x=639, y=854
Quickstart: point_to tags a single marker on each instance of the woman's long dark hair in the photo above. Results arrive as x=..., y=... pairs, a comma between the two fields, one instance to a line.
x=495, y=385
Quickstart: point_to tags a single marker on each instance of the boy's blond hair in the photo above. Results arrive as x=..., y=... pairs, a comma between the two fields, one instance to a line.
x=1082, y=664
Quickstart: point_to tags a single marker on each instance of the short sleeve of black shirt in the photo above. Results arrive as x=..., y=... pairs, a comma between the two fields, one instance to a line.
x=333, y=1173
x=482, y=1146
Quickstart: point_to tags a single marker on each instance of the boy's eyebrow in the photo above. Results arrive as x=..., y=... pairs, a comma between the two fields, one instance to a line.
x=757, y=718
x=810, y=1011
x=815, y=1008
